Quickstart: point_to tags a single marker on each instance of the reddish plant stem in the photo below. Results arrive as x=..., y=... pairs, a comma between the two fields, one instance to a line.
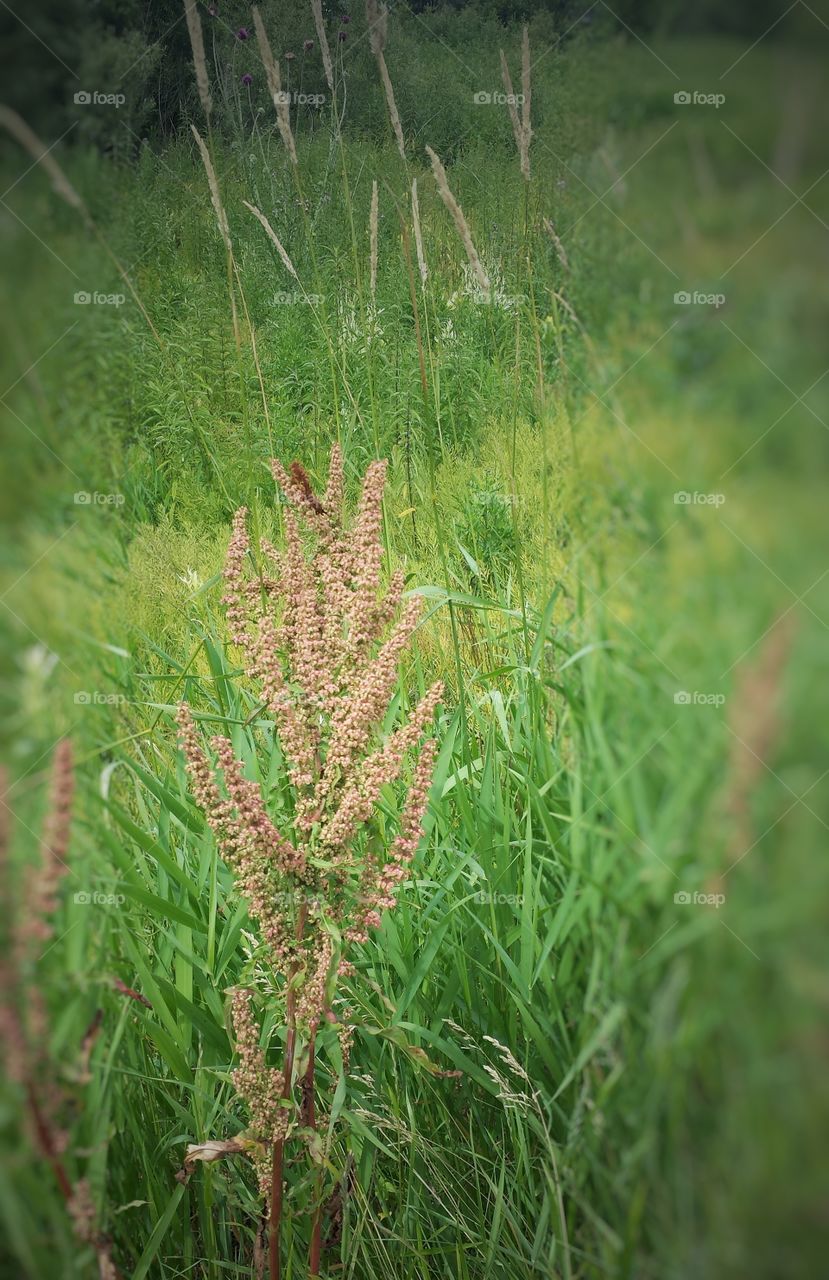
x=310, y=1120
x=277, y=1168
x=47, y=1146
x=276, y=1209
x=277, y=1176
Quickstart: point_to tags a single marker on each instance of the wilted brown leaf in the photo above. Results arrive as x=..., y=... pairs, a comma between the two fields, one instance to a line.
x=207, y=1152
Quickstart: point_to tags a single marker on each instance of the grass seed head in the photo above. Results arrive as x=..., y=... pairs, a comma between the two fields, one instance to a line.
x=460, y=221
x=319, y=23
x=194, y=28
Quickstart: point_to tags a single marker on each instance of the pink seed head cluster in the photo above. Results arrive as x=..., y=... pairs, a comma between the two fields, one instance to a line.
x=259, y=1085
x=322, y=644
x=44, y=880
x=24, y=1017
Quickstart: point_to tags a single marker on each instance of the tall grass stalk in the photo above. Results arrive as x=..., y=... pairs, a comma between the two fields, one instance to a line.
x=372, y=235
x=319, y=23
x=377, y=18
x=418, y=235
x=459, y=220
x=526, y=101
x=224, y=229
x=194, y=28
x=280, y=100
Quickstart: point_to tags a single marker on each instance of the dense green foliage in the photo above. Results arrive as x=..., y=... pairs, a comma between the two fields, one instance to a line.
x=140, y=48
x=639, y=1091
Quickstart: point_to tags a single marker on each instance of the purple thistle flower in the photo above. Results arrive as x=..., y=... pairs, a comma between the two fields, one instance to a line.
x=242, y=33
x=345, y=19
x=213, y=10
x=247, y=78
x=341, y=35
x=307, y=46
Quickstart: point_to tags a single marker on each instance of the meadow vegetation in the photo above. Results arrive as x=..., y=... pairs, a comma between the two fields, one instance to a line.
x=557, y=1068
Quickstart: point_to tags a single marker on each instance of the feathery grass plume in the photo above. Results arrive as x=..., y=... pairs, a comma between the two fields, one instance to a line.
x=377, y=19
x=280, y=99
x=421, y=257
x=215, y=194
x=392, y=105
x=520, y=125
x=511, y=102
x=559, y=247
x=42, y=155
x=459, y=220
x=266, y=53
x=570, y=310
x=257, y=213
x=526, y=95
x=224, y=229
x=19, y=130
x=373, y=238
x=323, y=651
x=319, y=23
x=194, y=27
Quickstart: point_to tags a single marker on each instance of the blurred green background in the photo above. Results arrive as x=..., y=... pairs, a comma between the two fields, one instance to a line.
x=635, y=431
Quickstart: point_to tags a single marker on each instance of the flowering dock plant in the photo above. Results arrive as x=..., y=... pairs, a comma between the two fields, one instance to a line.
x=321, y=642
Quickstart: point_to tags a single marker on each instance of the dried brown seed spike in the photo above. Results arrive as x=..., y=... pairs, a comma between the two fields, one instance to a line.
x=300, y=477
